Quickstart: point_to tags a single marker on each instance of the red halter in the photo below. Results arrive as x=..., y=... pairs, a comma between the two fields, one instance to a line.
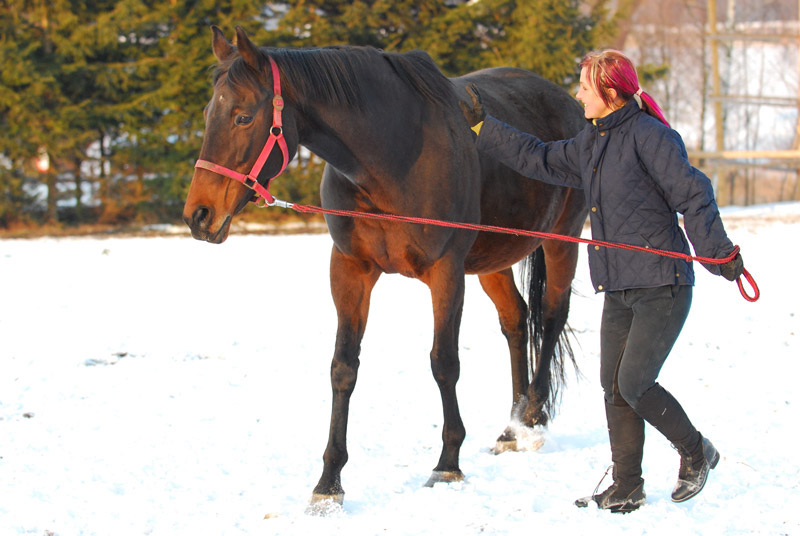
x=275, y=136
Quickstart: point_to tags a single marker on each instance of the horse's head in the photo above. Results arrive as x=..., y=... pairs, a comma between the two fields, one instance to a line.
x=242, y=143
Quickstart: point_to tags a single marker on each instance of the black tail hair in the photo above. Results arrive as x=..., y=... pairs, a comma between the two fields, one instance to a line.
x=533, y=273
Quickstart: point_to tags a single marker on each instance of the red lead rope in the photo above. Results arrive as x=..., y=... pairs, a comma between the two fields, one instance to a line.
x=535, y=234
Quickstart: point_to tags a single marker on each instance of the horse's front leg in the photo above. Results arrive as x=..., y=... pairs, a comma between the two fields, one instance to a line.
x=352, y=281
x=446, y=281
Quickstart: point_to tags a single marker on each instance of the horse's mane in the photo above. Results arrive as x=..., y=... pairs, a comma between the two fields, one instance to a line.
x=331, y=75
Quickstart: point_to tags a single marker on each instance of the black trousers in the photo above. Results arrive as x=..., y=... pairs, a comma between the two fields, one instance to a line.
x=639, y=329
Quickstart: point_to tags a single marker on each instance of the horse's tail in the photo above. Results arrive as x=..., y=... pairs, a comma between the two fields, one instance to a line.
x=533, y=272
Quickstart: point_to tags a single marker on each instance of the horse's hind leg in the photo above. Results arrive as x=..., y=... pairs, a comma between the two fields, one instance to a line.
x=561, y=260
x=446, y=282
x=352, y=282
x=511, y=310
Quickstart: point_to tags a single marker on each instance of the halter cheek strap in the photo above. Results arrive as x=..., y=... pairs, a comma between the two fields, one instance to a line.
x=275, y=137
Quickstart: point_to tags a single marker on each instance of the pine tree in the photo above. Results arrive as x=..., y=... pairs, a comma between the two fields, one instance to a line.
x=548, y=37
x=385, y=24
x=30, y=93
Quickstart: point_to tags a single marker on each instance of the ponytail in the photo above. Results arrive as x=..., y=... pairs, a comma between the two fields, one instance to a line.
x=649, y=105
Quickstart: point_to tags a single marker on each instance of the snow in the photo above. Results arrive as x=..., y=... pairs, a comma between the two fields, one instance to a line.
x=163, y=386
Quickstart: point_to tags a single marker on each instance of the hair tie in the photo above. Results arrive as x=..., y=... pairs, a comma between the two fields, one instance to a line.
x=638, y=98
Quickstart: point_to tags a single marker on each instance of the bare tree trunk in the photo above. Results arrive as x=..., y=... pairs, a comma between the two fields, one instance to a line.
x=78, y=191
x=625, y=25
x=52, y=196
x=796, y=144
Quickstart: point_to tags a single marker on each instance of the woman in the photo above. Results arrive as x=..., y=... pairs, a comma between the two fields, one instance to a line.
x=634, y=171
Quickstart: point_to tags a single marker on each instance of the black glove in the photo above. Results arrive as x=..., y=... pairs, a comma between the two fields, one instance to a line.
x=732, y=269
x=476, y=114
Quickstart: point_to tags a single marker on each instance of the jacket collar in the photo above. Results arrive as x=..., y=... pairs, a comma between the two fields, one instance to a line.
x=617, y=117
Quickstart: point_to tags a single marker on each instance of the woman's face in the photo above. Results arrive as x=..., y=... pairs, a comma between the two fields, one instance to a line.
x=593, y=105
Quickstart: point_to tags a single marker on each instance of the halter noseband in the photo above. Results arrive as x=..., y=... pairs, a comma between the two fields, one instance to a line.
x=275, y=136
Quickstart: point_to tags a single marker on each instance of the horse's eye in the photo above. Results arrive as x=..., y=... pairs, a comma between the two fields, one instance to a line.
x=243, y=119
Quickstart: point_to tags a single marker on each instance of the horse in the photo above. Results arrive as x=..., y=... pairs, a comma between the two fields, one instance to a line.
x=396, y=141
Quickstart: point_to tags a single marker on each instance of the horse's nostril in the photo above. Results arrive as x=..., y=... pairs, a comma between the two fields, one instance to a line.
x=201, y=217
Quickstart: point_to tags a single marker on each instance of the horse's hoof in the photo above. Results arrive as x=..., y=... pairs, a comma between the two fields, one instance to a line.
x=519, y=438
x=530, y=438
x=504, y=446
x=531, y=444
x=337, y=498
x=323, y=505
x=506, y=442
x=444, y=476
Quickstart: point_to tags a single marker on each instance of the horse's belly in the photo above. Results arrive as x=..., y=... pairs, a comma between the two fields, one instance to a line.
x=492, y=253
x=518, y=203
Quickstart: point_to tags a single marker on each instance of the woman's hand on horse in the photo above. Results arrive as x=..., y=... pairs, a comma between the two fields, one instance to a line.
x=476, y=113
x=731, y=270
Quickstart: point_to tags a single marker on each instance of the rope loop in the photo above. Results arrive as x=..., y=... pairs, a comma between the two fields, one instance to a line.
x=752, y=282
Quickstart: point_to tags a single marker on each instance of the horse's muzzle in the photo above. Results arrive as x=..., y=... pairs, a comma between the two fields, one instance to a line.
x=200, y=223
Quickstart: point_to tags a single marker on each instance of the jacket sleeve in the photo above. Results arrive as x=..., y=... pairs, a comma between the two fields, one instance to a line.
x=553, y=162
x=688, y=191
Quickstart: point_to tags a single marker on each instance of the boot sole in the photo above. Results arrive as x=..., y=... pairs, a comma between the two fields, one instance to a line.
x=625, y=508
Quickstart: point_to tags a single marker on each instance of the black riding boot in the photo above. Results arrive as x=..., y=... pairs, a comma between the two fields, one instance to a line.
x=694, y=470
x=626, y=435
x=698, y=455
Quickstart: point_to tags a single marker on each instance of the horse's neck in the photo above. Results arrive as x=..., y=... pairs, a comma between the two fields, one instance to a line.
x=379, y=139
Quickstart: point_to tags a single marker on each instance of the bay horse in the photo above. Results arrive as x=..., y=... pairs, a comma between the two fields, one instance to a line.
x=395, y=140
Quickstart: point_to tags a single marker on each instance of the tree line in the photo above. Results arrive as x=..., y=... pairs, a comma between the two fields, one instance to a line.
x=101, y=101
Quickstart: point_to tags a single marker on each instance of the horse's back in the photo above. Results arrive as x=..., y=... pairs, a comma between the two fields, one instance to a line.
x=527, y=101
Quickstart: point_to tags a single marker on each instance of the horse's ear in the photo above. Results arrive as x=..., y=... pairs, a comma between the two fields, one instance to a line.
x=247, y=50
x=221, y=47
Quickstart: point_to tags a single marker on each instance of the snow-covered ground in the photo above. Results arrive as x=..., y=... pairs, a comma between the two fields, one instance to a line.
x=163, y=386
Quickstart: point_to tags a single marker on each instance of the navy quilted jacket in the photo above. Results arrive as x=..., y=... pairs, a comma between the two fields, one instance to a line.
x=635, y=174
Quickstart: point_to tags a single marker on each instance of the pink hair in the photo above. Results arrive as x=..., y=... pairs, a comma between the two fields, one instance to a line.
x=611, y=69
